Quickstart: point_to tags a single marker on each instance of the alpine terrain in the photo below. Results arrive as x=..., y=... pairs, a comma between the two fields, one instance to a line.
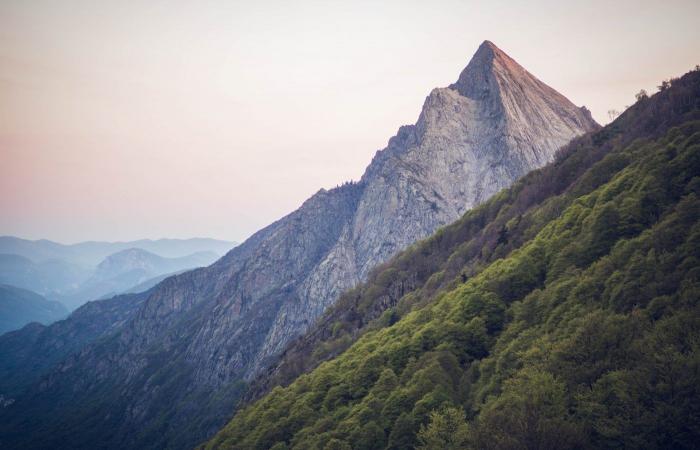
x=19, y=307
x=562, y=313
x=171, y=374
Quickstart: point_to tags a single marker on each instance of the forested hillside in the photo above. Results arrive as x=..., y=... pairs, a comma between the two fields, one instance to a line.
x=563, y=313
x=169, y=376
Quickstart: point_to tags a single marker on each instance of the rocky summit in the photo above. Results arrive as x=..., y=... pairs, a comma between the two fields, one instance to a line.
x=170, y=375
x=471, y=140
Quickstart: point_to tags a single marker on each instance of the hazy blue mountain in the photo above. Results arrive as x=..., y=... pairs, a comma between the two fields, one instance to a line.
x=170, y=376
x=90, y=253
x=49, y=278
x=27, y=353
x=122, y=271
x=19, y=307
x=136, y=259
x=74, y=274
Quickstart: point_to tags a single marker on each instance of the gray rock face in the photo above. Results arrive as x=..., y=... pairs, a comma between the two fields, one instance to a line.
x=223, y=323
x=128, y=268
x=471, y=140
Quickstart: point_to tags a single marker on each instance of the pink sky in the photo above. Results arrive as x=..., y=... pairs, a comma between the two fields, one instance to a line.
x=123, y=120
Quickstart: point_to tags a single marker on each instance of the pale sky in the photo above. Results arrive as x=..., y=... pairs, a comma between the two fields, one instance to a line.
x=145, y=119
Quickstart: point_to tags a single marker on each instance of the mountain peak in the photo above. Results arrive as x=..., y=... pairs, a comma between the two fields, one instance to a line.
x=488, y=64
x=488, y=48
x=242, y=311
x=494, y=78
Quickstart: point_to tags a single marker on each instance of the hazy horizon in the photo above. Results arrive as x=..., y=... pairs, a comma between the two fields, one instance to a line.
x=122, y=121
x=118, y=241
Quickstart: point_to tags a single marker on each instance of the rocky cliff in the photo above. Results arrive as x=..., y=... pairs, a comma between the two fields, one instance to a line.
x=564, y=304
x=471, y=140
x=170, y=375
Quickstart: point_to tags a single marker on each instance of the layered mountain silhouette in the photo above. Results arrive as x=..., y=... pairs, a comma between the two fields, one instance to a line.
x=47, y=277
x=171, y=374
x=29, y=353
x=128, y=269
x=19, y=307
x=76, y=273
x=91, y=253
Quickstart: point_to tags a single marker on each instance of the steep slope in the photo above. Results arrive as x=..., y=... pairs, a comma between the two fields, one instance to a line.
x=169, y=377
x=26, y=354
x=563, y=313
x=127, y=268
x=136, y=259
x=471, y=140
x=151, y=282
x=19, y=307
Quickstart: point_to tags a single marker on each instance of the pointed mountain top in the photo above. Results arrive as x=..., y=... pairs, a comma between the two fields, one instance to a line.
x=479, y=73
x=488, y=47
x=493, y=76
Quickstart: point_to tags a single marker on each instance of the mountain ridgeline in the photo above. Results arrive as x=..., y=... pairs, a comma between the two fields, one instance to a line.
x=20, y=306
x=77, y=273
x=49, y=278
x=171, y=374
x=130, y=268
x=29, y=353
x=563, y=313
x=91, y=253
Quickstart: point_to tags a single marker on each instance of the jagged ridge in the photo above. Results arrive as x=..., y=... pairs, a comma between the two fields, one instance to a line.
x=200, y=333
x=570, y=324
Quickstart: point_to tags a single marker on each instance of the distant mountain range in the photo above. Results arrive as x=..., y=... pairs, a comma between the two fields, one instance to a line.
x=505, y=275
x=52, y=277
x=74, y=274
x=126, y=271
x=171, y=374
x=91, y=253
x=19, y=307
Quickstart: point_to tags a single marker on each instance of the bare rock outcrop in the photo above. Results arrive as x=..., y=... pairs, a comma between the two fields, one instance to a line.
x=200, y=333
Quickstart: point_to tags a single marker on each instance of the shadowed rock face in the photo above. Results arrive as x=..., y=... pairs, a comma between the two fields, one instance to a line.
x=220, y=324
x=471, y=140
x=26, y=354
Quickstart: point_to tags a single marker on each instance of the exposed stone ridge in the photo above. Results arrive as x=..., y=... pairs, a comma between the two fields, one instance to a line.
x=223, y=323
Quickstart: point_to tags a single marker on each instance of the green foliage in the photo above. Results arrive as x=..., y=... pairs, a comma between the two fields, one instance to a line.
x=585, y=334
x=337, y=444
x=403, y=433
x=530, y=413
x=446, y=430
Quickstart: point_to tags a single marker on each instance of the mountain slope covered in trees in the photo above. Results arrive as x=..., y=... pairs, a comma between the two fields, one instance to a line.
x=573, y=323
x=170, y=375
